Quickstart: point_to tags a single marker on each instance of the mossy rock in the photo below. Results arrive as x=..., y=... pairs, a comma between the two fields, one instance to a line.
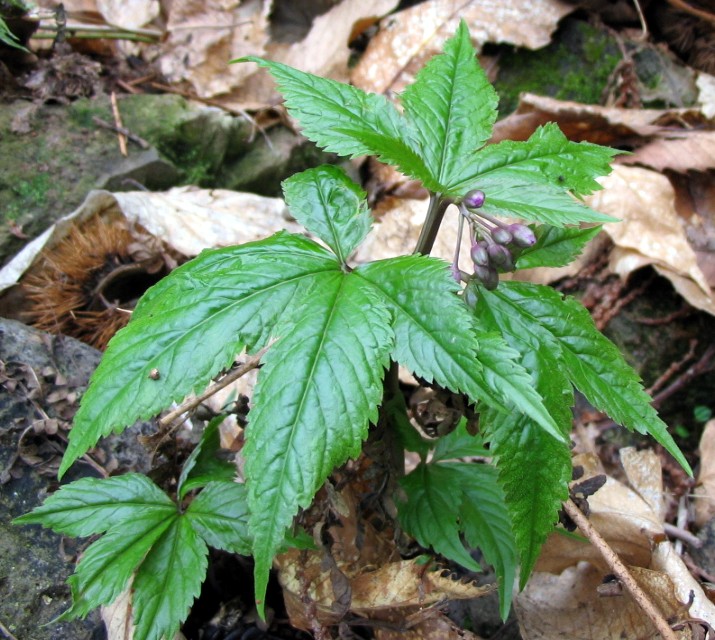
x=580, y=65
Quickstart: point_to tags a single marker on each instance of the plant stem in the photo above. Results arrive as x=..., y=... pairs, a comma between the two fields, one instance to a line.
x=437, y=206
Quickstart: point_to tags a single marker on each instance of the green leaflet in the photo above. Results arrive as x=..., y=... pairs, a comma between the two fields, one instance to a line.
x=444, y=346
x=147, y=539
x=345, y=119
x=459, y=444
x=431, y=513
x=203, y=465
x=548, y=157
x=90, y=506
x=533, y=470
x=167, y=582
x=328, y=203
x=336, y=346
x=219, y=514
x=190, y=327
x=546, y=203
x=452, y=108
x=592, y=363
x=555, y=246
x=446, y=499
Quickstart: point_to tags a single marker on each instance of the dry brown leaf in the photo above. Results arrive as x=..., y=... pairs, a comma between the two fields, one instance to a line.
x=204, y=36
x=680, y=151
x=601, y=125
x=128, y=14
x=117, y=618
x=409, y=38
x=650, y=231
x=705, y=485
x=568, y=606
x=644, y=474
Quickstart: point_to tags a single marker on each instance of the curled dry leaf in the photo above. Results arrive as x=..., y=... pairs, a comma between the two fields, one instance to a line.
x=650, y=231
x=705, y=484
x=204, y=36
x=569, y=605
x=409, y=38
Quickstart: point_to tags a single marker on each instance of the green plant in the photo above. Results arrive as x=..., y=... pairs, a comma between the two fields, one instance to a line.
x=516, y=350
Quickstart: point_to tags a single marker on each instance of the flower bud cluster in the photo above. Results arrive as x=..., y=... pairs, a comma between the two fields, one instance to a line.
x=495, y=244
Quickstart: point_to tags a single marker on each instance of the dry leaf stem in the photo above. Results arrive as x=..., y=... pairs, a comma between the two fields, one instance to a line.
x=251, y=363
x=620, y=571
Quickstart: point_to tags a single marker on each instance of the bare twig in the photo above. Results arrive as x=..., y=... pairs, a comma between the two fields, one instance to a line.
x=641, y=17
x=118, y=122
x=682, y=534
x=673, y=369
x=124, y=131
x=251, y=363
x=620, y=571
x=684, y=6
x=6, y=632
x=703, y=365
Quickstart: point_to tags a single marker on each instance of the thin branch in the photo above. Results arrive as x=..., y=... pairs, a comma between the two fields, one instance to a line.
x=684, y=6
x=6, y=632
x=123, y=130
x=251, y=363
x=620, y=571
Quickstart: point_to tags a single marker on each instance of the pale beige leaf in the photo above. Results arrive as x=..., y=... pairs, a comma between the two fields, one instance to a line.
x=409, y=38
x=128, y=14
x=569, y=606
x=117, y=617
x=650, y=232
x=705, y=483
x=706, y=94
x=645, y=476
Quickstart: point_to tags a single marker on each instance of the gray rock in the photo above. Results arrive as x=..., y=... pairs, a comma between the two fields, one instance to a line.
x=35, y=562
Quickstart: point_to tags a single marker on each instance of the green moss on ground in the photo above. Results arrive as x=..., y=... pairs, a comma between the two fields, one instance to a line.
x=575, y=66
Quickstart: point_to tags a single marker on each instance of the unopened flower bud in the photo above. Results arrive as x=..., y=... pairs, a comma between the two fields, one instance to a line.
x=523, y=236
x=501, y=236
x=488, y=276
x=474, y=199
x=501, y=257
x=471, y=295
x=479, y=253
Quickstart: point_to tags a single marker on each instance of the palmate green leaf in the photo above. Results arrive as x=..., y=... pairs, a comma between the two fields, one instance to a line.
x=547, y=158
x=444, y=346
x=344, y=119
x=203, y=464
x=556, y=246
x=148, y=539
x=431, y=514
x=328, y=203
x=219, y=514
x=167, y=582
x=90, y=506
x=189, y=327
x=452, y=107
x=593, y=364
x=319, y=387
x=446, y=499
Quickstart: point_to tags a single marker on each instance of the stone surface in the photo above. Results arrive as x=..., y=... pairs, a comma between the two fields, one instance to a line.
x=35, y=562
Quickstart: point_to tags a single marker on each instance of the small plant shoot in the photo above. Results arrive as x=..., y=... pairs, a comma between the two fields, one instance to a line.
x=514, y=351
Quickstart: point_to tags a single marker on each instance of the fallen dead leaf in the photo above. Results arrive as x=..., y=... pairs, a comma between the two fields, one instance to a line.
x=117, y=618
x=650, y=231
x=409, y=38
x=704, y=492
x=706, y=96
x=204, y=36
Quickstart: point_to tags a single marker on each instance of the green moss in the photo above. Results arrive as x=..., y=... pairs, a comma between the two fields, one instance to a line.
x=575, y=66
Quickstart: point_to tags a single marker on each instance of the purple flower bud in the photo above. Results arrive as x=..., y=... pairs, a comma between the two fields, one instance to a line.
x=488, y=276
x=479, y=253
x=474, y=199
x=523, y=236
x=501, y=257
x=501, y=236
x=471, y=295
